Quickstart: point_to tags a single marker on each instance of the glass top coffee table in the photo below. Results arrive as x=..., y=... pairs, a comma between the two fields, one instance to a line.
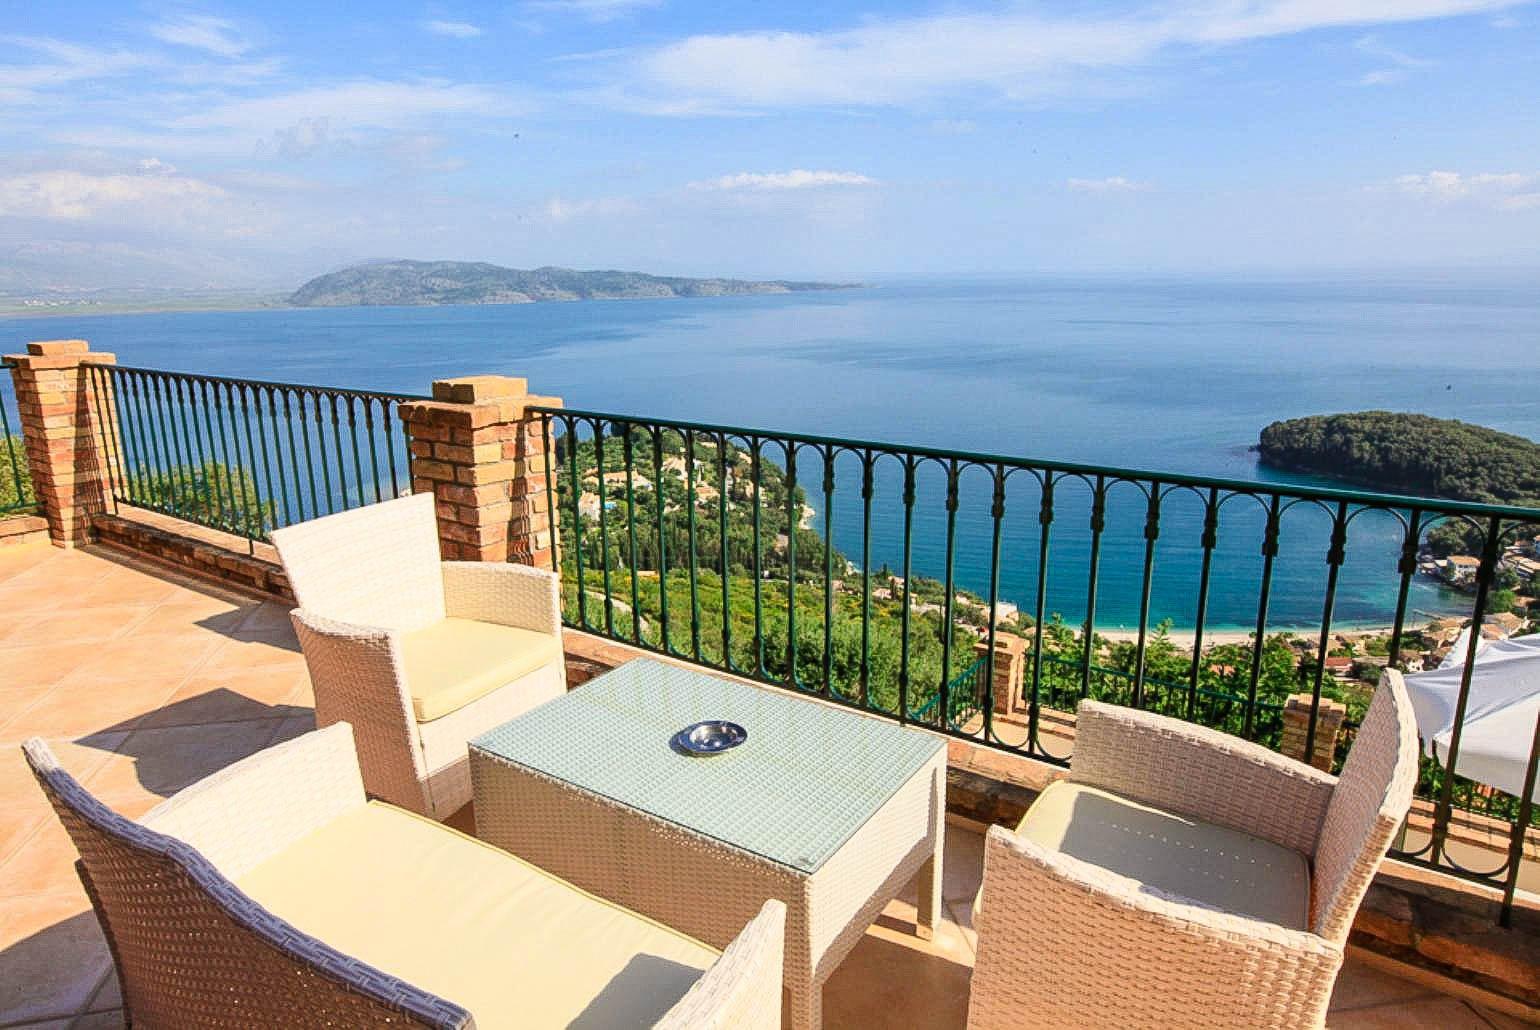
x=829, y=810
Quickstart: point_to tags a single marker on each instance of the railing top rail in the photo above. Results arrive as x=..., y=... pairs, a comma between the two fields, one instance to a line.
x=1244, y=486
x=339, y=391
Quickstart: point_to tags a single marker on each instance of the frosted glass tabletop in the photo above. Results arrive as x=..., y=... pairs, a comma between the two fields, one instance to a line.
x=806, y=779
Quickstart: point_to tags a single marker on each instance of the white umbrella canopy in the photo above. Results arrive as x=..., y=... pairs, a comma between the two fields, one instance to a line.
x=1500, y=714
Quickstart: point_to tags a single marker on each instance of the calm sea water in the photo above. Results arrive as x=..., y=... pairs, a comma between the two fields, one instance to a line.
x=1168, y=376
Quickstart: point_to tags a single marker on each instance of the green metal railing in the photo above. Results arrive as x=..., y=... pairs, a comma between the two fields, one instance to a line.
x=16, y=495
x=966, y=695
x=703, y=542
x=245, y=456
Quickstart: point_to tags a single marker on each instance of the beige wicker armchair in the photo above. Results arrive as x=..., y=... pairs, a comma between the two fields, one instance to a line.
x=275, y=894
x=420, y=655
x=1184, y=877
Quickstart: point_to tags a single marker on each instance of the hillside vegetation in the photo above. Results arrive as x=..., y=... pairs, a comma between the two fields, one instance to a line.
x=1409, y=454
x=466, y=282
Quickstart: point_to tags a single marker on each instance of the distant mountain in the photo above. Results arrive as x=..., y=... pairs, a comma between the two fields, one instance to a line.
x=467, y=282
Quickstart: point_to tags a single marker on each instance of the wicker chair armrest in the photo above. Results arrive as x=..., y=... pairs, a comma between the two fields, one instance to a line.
x=1196, y=771
x=1063, y=942
x=742, y=989
x=358, y=674
x=504, y=593
x=258, y=806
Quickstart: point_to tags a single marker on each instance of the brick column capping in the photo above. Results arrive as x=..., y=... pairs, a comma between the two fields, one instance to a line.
x=60, y=424
x=482, y=455
x=1296, y=726
x=1006, y=671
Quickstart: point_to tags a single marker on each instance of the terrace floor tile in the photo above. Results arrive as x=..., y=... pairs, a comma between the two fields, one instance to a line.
x=160, y=681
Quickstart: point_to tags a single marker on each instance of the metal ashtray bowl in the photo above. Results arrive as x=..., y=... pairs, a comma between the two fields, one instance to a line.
x=710, y=738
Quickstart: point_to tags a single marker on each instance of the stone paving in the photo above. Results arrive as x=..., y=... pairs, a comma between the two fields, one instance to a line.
x=144, y=682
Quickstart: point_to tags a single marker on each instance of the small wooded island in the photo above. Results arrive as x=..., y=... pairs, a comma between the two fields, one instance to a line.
x=1409, y=454
x=425, y=283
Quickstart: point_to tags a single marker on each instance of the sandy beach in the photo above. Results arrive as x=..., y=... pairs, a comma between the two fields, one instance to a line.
x=1184, y=637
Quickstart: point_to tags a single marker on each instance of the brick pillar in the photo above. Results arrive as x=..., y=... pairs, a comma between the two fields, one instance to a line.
x=483, y=458
x=60, y=423
x=1296, y=727
x=1006, y=674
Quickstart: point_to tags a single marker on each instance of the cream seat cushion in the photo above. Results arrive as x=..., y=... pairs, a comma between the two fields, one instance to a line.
x=1215, y=866
x=452, y=663
x=475, y=925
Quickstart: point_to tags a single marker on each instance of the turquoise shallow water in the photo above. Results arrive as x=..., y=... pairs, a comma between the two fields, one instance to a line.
x=1170, y=376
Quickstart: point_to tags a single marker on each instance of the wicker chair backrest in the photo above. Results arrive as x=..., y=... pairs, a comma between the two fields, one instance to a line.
x=373, y=566
x=1369, y=802
x=191, y=950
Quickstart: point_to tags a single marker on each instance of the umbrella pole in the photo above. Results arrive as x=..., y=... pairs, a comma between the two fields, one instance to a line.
x=1521, y=829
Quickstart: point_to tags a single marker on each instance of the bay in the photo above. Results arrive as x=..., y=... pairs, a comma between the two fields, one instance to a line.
x=1165, y=375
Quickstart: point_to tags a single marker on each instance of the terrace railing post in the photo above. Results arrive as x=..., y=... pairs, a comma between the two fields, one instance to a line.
x=61, y=423
x=1297, y=743
x=481, y=452
x=1006, y=670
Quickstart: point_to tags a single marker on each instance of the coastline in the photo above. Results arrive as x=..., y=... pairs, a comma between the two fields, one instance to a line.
x=1183, y=636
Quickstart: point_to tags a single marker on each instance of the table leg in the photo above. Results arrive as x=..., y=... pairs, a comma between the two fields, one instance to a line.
x=804, y=1009
x=928, y=881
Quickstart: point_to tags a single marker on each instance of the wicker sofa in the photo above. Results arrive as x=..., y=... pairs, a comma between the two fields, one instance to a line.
x=419, y=654
x=1184, y=877
x=275, y=894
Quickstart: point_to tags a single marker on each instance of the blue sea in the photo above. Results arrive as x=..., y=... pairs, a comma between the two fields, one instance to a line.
x=1168, y=376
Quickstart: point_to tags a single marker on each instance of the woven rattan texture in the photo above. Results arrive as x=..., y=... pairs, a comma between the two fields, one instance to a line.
x=192, y=951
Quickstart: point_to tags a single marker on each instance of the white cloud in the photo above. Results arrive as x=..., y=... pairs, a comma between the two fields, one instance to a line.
x=1014, y=55
x=1506, y=190
x=360, y=104
x=61, y=64
x=202, y=32
x=558, y=210
x=1111, y=184
x=453, y=29
x=155, y=166
x=76, y=196
x=796, y=179
x=593, y=10
x=1399, y=62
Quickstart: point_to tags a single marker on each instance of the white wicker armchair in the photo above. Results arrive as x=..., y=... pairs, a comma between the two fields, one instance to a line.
x=1184, y=877
x=419, y=654
x=274, y=894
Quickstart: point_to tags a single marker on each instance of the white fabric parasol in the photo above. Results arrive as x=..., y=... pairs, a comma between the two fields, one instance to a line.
x=1499, y=717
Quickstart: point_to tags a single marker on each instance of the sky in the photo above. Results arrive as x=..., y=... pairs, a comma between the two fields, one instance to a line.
x=254, y=145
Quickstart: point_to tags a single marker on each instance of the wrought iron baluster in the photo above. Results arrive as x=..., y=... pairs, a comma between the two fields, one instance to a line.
x=628, y=455
x=1045, y=522
x=723, y=567
x=691, y=502
x=1484, y=575
x=1336, y=554
x=602, y=488
x=828, y=570
x=1407, y=567
x=575, y=484
x=866, y=578
x=342, y=462
x=657, y=478
x=1088, y=634
x=949, y=587
x=369, y=432
x=997, y=514
x=1210, y=540
x=1151, y=534
x=1269, y=552
x=793, y=519
x=903, y=645
x=755, y=472
x=1521, y=829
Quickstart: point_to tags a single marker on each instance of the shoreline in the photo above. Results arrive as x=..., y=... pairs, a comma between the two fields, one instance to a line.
x=1183, y=636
